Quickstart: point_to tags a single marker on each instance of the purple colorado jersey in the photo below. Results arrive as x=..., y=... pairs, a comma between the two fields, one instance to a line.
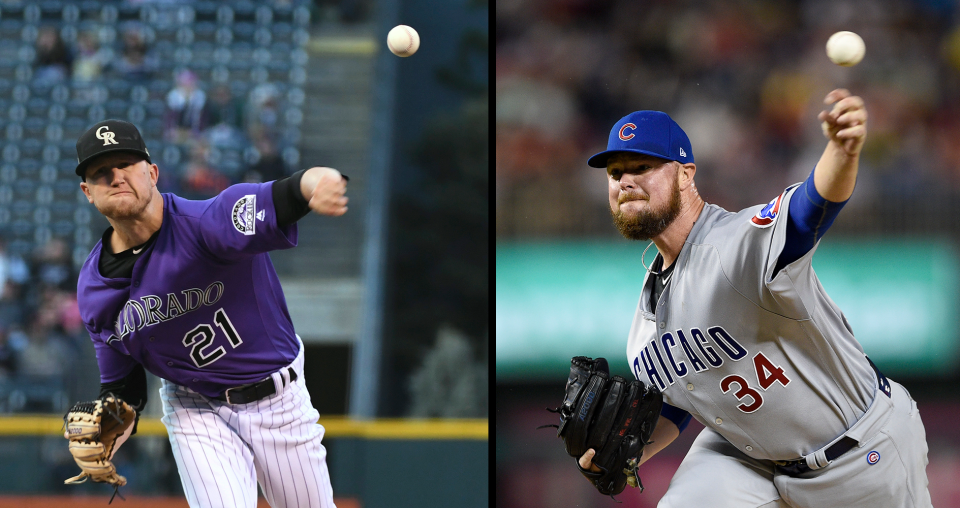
x=204, y=308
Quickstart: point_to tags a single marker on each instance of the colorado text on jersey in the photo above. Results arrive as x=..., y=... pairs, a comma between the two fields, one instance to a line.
x=659, y=353
x=135, y=316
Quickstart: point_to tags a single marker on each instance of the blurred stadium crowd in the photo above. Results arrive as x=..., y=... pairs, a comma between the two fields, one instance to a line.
x=745, y=79
x=217, y=90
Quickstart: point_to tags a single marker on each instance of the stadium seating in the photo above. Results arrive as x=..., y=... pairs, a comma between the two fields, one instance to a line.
x=240, y=43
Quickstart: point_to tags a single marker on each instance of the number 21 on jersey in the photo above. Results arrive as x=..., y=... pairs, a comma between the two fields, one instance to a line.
x=767, y=374
x=202, y=336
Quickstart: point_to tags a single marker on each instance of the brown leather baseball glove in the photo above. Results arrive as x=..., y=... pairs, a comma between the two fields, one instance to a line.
x=95, y=430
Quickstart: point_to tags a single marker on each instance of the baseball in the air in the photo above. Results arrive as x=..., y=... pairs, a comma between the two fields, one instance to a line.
x=403, y=40
x=845, y=48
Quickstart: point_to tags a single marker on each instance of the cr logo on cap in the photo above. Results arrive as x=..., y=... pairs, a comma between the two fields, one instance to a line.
x=622, y=129
x=107, y=137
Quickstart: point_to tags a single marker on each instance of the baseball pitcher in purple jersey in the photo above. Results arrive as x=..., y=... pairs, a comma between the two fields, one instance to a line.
x=185, y=290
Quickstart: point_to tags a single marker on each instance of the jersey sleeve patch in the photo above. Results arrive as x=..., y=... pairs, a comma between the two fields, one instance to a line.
x=244, y=211
x=768, y=214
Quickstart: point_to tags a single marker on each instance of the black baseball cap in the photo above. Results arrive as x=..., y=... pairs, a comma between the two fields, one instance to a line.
x=109, y=136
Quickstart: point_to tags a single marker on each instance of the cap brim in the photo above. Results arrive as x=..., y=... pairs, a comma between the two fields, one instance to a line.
x=82, y=166
x=600, y=160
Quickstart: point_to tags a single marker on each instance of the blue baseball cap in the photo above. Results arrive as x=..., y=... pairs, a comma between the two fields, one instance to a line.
x=647, y=132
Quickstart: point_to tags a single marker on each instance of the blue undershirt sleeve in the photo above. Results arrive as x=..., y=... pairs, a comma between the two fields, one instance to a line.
x=679, y=417
x=809, y=217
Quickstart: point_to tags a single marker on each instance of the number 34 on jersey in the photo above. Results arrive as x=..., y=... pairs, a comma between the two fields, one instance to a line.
x=669, y=355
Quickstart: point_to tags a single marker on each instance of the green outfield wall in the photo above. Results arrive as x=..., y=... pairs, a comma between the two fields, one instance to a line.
x=386, y=463
x=556, y=300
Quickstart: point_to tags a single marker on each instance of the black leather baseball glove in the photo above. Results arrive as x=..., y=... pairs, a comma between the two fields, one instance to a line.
x=612, y=415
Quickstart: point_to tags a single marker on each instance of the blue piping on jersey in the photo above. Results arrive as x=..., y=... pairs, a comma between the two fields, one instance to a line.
x=676, y=415
x=809, y=218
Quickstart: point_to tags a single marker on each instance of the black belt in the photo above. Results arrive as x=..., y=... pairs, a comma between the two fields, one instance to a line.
x=797, y=467
x=254, y=391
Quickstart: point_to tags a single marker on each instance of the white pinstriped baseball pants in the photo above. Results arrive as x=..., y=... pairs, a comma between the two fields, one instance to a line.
x=223, y=451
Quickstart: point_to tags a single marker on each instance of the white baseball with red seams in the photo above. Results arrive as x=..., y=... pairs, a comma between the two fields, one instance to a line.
x=403, y=40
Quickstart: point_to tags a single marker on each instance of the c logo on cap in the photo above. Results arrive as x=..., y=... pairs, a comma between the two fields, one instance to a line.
x=625, y=126
x=107, y=137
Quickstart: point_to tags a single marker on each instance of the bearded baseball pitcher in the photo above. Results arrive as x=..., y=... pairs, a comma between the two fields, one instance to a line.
x=735, y=329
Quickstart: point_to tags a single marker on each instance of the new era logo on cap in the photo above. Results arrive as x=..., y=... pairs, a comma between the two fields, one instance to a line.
x=109, y=136
x=646, y=132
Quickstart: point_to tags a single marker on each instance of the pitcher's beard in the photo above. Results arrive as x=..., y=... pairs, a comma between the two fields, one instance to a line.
x=649, y=223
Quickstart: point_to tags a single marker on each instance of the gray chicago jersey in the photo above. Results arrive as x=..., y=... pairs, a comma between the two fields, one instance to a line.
x=739, y=346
